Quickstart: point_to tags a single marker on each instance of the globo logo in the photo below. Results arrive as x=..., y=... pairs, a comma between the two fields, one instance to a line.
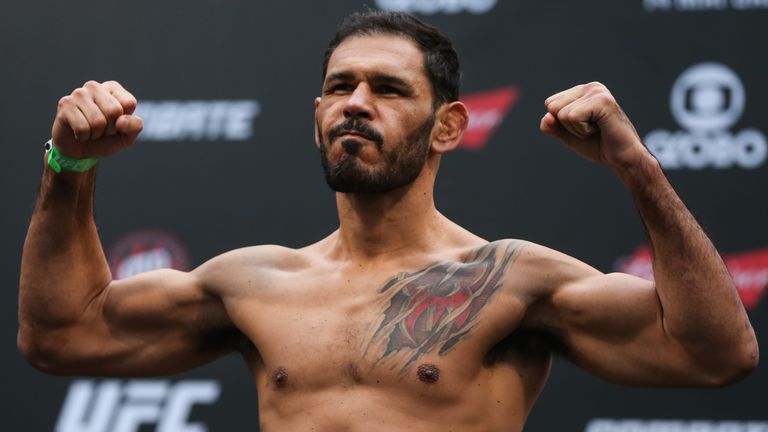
x=707, y=100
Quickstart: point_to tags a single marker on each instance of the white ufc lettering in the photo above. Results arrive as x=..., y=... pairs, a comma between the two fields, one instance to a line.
x=115, y=406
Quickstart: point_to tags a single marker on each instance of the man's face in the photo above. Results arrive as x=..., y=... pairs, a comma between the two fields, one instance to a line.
x=375, y=116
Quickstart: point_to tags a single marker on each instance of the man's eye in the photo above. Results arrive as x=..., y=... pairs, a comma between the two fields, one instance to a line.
x=387, y=89
x=340, y=88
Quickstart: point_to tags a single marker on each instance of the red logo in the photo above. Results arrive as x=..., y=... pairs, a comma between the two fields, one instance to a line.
x=749, y=271
x=145, y=250
x=486, y=111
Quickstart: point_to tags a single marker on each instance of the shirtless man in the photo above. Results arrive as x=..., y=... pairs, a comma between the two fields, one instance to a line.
x=400, y=319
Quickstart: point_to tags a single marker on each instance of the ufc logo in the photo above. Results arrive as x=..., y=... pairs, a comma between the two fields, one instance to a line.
x=117, y=406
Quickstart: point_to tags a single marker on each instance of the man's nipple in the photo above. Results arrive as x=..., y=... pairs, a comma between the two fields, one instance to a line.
x=428, y=373
x=279, y=377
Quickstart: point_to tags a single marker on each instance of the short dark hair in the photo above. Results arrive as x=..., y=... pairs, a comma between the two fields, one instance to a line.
x=441, y=63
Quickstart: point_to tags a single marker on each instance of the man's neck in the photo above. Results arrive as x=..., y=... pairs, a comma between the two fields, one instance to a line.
x=374, y=226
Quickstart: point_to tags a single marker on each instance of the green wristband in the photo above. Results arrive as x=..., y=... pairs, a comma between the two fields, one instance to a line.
x=59, y=162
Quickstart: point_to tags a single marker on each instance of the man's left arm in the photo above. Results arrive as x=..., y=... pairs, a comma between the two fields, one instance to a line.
x=700, y=321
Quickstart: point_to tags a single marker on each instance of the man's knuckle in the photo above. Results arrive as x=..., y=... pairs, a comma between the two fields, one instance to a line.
x=130, y=102
x=81, y=129
x=596, y=85
x=605, y=98
x=113, y=111
x=91, y=84
x=80, y=93
x=99, y=122
x=601, y=91
x=114, y=85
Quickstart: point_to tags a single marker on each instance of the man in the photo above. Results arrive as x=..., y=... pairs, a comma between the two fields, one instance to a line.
x=400, y=319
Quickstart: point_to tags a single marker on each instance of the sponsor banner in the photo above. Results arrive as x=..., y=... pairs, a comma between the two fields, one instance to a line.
x=486, y=111
x=631, y=425
x=703, y=5
x=131, y=406
x=707, y=100
x=144, y=250
x=749, y=271
x=196, y=120
x=431, y=7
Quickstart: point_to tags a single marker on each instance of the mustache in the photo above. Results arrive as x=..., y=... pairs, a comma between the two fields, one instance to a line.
x=353, y=125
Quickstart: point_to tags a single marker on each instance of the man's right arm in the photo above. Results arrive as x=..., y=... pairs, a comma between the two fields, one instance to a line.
x=73, y=318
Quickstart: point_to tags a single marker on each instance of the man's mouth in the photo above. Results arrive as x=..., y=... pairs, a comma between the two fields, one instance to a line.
x=355, y=131
x=354, y=134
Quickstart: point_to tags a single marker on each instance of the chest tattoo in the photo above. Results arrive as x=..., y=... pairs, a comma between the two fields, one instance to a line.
x=432, y=309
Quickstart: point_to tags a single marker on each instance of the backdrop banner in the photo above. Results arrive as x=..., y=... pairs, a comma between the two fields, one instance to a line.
x=228, y=160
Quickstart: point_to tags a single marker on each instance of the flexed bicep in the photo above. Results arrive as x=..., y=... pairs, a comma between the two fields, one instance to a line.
x=611, y=325
x=154, y=323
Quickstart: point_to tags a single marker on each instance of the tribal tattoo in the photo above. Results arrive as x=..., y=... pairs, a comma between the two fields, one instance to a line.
x=434, y=308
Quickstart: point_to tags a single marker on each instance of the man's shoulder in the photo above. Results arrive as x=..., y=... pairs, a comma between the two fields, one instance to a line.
x=531, y=252
x=540, y=270
x=253, y=263
x=261, y=257
x=536, y=261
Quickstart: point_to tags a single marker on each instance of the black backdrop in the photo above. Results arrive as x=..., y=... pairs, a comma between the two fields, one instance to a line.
x=229, y=161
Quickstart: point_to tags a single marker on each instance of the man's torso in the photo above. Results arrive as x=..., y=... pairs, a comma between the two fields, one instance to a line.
x=422, y=343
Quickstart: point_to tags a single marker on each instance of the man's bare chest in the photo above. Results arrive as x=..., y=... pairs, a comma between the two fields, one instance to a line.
x=320, y=329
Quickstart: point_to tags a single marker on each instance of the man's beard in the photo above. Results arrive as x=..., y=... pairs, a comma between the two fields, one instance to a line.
x=402, y=164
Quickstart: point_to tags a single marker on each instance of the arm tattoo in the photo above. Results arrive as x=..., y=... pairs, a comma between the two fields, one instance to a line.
x=434, y=308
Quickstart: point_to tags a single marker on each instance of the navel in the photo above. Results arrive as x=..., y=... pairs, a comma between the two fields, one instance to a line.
x=428, y=373
x=279, y=377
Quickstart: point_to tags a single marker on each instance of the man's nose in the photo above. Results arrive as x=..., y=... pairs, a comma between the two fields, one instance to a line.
x=360, y=103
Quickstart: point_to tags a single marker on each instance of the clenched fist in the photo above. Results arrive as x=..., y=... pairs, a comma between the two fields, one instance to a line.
x=588, y=120
x=96, y=120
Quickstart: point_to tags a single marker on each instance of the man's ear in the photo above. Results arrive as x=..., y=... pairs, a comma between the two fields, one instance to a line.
x=317, y=131
x=450, y=123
